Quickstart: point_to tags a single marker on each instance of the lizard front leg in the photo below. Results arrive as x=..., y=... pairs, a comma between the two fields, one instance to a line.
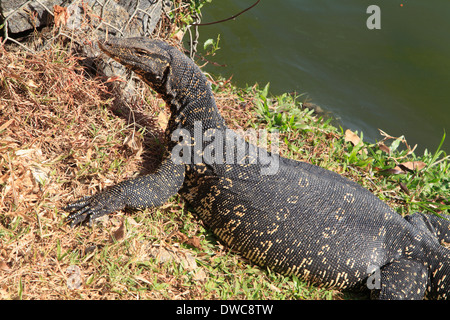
x=141, y=192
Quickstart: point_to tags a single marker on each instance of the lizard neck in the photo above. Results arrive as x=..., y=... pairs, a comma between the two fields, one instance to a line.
x=190, y=99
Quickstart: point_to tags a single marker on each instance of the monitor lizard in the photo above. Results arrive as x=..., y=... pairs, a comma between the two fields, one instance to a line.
x=299, y=220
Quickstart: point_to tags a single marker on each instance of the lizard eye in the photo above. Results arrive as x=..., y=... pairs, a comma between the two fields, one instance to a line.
x=141, y=51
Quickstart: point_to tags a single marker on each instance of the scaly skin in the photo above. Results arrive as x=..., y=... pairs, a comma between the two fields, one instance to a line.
x=300, y=219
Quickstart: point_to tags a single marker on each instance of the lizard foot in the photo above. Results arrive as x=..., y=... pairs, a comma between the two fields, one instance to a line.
x=94, y=207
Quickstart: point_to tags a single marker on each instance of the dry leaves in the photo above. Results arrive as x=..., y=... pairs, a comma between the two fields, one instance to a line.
x=384, y=148
x=74, y=280
x=165, y=253
x=400, y=168
x=405, y=167
x=352, y=137
x=192, y=241
x=163, y=120
x=57, y=144
x=394, y=145
x=115, y=78
x=27, y=177
x=179, y=35
x=118, y=234
x=134, y=142
x=60, y=15
x=413, y=165
x=4, y=267
x=410, y=166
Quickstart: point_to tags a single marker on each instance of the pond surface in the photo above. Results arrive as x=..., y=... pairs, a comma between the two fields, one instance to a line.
x=396, y=78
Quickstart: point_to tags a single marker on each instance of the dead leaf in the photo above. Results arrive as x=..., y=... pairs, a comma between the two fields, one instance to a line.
x=402, y=168
x=4, y=267
x=163, y=120
x=404, y=188
x=199, y=275
x=163, y=253
x=6, y=124
x=40, y=175
x=384, y=148
x=60, y=15
x=188, y=261
x=352, y=137
x=160, y=254
x=179, y=35
x=115, y=78
x=119, y=234
x=194, y=241
x=395, y=170
x=134, y=142
x=179, y=235
x=414, y=165
x=74, y=281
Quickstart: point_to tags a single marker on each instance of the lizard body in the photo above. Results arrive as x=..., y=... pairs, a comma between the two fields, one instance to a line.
x=300, y=219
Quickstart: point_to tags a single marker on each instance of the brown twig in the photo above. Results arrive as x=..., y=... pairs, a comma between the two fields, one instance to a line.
x=230, y=18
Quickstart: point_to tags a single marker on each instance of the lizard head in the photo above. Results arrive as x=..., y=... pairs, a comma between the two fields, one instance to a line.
x=148, y=58
x=163, y=67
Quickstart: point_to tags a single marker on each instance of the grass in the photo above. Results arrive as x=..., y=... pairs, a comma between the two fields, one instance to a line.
x=385, y=167
x=61, y=140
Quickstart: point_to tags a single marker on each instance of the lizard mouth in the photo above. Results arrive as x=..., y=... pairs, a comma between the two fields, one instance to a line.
x=147, y=58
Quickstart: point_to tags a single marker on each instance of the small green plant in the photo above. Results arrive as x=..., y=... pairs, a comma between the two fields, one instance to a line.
x=211, y=46
x=185, y=17
x=282, y=113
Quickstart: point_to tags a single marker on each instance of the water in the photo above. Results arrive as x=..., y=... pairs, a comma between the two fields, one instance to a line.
x=396, y=78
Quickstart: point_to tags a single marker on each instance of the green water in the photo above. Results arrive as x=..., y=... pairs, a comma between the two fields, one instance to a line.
x=396, y=78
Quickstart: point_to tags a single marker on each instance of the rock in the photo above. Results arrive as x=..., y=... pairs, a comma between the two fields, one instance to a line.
x=84, y=21
x=124, y=18
x=146, y=15
x=23, y=15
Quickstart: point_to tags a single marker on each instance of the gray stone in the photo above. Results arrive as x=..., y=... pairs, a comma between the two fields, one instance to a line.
x=145, y=15
x=23, y=15
x=88, y=20
x=124, y=18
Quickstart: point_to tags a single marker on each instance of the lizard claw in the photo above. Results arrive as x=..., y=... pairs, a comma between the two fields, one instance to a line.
x=94, y=207
x=79, y=210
